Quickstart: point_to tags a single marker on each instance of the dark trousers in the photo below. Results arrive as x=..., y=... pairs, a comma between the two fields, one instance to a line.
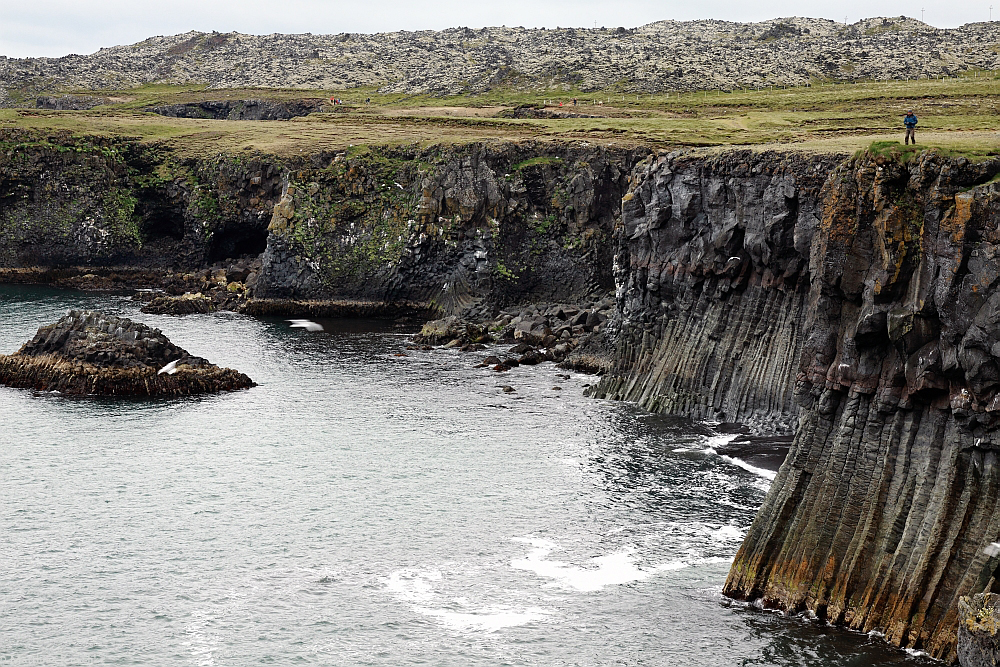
x=911, y=135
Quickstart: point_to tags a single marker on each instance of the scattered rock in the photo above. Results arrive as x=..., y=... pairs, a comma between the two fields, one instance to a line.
x=660, y=56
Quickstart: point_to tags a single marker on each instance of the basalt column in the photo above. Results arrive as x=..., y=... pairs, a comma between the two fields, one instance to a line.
x=712, y=271
x=879, y=515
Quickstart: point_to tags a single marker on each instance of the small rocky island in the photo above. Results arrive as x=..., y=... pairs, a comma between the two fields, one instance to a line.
x=88, y=352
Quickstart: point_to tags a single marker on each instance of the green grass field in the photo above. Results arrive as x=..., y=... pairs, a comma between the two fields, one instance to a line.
x=957, y=115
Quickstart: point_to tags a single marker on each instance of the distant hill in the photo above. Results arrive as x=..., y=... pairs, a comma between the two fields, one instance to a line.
x=661, y=56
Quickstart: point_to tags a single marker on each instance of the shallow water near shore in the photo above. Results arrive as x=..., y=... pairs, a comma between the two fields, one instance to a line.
x=363, y=508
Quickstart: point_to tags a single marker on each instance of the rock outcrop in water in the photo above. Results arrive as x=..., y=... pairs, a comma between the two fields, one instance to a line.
x=661, y=56
x=89, y=353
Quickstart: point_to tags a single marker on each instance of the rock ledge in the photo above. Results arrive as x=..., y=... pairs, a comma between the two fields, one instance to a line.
x=88, y=352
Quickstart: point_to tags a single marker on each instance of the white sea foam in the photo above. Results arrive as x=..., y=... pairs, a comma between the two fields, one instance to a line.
x=485, y=620
x=413, y=585
x=418, y=588
x=602, y=571
x=915, y=653
x=763, y=472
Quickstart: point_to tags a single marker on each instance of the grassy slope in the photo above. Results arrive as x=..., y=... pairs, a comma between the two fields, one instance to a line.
x=955, y=114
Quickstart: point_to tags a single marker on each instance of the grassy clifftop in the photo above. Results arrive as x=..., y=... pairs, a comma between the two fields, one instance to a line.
x=957, y=114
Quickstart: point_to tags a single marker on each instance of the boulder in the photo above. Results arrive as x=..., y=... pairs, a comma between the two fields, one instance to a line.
x=88, y=352
x=978, y=622
x=185, y=304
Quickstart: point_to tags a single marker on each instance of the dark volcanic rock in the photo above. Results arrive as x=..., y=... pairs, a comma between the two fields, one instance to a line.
x=891, y=489
x=241, y=109
x=185, y=304
x=712, y=272
x=88, y=352
x=978, y=622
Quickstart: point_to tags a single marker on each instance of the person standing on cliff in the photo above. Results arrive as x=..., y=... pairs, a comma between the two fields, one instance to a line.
x=910, y=122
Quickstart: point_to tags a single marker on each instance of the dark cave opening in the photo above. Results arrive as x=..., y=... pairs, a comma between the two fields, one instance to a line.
x=162, y=224
x=236, y=243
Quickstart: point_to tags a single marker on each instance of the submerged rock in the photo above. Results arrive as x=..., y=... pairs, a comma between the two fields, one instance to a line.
x=87, y=352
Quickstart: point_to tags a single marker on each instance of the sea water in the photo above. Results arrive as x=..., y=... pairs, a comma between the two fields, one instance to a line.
x=371, y=505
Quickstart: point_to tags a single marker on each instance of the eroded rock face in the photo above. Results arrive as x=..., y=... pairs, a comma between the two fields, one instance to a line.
x=448, y=226
x=88, y=352
x=712, y=269
x=255, y=109
x=891, y=489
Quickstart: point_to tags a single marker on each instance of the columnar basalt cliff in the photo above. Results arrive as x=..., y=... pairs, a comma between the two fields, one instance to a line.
x=880, y=513
x=852, y=300
x=712, y=271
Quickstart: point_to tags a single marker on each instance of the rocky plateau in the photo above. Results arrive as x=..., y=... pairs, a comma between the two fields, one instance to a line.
x=661, y=56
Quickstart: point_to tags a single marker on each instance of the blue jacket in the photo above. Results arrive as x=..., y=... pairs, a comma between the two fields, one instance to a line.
x=910, y=120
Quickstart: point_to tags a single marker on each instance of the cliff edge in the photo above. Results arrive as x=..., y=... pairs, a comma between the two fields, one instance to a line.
x=878, y=517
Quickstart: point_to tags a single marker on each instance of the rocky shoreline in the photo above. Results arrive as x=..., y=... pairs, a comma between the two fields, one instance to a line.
x=848, y=300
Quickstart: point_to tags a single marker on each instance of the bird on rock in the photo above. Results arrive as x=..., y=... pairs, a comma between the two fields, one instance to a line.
x=305, y=324
x=170, y=368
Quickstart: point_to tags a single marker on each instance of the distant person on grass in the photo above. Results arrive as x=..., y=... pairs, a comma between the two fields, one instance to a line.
x=910, y=122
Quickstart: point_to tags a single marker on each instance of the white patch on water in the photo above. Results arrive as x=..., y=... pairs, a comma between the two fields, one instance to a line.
x=768, y=474
x=914, y=653
x=601, y=571
x=728, y=532
x=418, y=587
x=413, y=585
x=485, y=620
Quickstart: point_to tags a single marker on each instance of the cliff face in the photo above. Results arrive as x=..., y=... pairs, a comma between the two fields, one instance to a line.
x=448, y=226
x=879, y=515
x=93, y=201
x=441, y=227
x=854, y=300
x=712, y=270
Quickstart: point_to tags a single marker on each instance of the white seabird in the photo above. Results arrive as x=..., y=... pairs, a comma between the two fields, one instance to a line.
x=305, y=324
x=170, y=368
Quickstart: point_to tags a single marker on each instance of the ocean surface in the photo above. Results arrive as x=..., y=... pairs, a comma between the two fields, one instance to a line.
x=366, y=507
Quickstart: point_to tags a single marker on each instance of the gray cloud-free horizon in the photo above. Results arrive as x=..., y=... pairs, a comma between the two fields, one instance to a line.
x=56, y=28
